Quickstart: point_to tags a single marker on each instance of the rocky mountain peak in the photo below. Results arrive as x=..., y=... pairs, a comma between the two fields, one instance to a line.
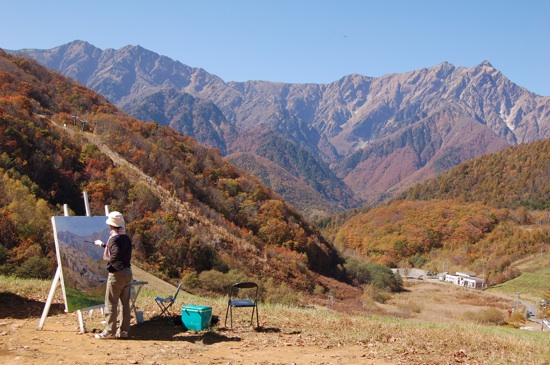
x=342, y=125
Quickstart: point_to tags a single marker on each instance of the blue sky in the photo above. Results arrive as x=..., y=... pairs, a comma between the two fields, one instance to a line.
x=301, y=41
x=82, y=225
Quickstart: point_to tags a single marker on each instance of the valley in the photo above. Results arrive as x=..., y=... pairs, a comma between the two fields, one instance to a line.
x=197, y=218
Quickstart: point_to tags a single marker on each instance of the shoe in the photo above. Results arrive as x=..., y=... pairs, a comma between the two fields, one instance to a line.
x=104, y=336
x=121, y=334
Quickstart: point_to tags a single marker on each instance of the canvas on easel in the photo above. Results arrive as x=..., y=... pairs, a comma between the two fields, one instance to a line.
x=80, y=263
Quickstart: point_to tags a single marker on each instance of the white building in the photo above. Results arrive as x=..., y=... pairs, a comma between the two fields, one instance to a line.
x=464, y=279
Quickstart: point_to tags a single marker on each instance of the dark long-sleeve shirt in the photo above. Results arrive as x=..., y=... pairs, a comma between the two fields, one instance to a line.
x=120, y=248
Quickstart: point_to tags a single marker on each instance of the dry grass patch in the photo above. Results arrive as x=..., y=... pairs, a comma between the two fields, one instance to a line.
x=410, y=342
x=444, y=303
x=491, y=316
x=290, y=334
x=480, y=299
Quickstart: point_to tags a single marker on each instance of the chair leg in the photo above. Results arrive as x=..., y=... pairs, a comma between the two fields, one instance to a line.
x=164, y=309
x=161, y=309
x=226, y=313
x=229, y=313
x=167, y=312
x=255, y=309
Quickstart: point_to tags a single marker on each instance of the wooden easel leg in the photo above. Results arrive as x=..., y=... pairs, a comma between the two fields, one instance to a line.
x=81, y=322
x=56, y=281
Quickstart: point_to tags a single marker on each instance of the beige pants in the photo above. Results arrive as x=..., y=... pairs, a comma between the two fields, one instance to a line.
x=118, y=289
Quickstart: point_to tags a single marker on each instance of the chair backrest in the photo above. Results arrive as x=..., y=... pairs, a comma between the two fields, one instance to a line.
x=243, y=285
x=177, y=291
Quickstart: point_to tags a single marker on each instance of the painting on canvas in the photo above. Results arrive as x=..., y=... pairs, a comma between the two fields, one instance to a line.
x=83, y=273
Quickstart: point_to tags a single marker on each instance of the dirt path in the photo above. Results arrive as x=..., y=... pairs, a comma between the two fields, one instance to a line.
x=158, y=342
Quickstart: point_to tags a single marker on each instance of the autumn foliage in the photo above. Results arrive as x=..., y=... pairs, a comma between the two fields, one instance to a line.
x=188, y=209
x=445, y=235
x=516, y=177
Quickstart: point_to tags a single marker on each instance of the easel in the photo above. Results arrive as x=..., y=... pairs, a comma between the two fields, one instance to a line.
x=57, y=281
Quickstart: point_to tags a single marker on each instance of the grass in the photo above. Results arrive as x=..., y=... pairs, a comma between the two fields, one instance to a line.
x=532, y=283
x=402, y=340
x=405, y=340
x=534, y=263
x=28, y=288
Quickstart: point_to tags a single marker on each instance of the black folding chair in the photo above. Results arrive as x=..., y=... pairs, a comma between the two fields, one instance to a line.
x=166, y=303
x=248, y=294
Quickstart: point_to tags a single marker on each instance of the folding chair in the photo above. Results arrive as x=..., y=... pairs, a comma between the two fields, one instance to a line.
x=249, y=299
x=165, y=303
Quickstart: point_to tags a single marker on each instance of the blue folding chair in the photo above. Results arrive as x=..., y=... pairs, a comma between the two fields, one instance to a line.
x=248, y=293
x=166, y=303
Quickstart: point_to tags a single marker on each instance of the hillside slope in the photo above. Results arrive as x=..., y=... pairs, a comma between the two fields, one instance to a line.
x=481, y=217
x=512, y=178
x=188, y=209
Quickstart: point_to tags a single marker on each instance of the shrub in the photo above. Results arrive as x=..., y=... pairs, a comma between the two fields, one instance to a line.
x=516, y=320
x=215, y=281
x=367, y=301
x=280, y=294
x=3, y=253
x=319, y=290
x=358, y=271
x=383, y=278
x=376, y=294
x=6, y=269
x=34, y=267
x=191, y=280
x=487, y=316
x=414, y=307
x=373, y=273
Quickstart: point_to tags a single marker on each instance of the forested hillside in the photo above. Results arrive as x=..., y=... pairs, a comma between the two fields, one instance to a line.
x=188, y=209
x=191, y=211
x=512, y=178
x=480, y=216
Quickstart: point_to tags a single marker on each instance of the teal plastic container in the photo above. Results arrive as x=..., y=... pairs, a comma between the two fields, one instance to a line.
x=196, y=317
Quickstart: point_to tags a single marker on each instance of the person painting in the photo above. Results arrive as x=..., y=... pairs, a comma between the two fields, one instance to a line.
x=118, y=253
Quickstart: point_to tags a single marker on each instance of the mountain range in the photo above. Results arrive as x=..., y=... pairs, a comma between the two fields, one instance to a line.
x=324, y=148
x=187, y=209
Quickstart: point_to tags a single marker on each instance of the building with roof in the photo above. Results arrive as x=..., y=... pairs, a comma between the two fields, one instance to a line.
x=464, y=279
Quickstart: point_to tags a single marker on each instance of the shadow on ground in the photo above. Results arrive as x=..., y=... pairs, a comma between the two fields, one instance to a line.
x=166, y=330
x=17, y=307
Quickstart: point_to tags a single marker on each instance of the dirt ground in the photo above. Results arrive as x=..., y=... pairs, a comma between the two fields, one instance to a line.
x=160, y=342
x=157, y=341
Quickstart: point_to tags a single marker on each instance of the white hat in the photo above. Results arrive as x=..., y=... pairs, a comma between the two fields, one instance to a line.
x=115, y=219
